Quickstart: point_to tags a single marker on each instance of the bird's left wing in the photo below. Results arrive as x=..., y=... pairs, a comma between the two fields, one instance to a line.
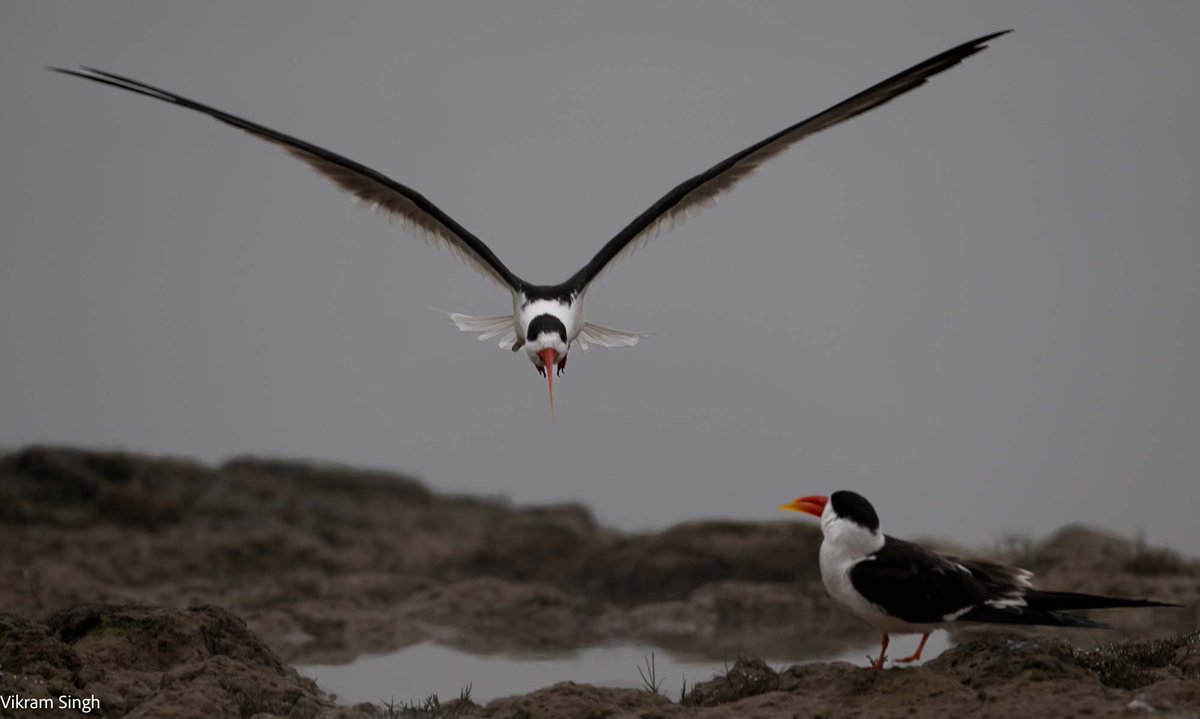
x=703, y=190
x=397, y=202
x=606, y=337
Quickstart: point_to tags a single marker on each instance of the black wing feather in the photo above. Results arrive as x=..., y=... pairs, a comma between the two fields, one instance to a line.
x=1058, y=601
x=916, y=585
x=366, y=183
x=704, y=187
x=921, y=587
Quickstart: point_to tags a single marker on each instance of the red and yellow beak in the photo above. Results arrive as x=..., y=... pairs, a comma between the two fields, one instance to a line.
x=549, y=358
x=813, y=504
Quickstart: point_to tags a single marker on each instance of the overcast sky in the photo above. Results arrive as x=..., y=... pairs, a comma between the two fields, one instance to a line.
x=977, y=305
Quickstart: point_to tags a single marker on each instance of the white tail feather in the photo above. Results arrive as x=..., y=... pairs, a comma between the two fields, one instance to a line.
x=606, y=337
x=488, y=328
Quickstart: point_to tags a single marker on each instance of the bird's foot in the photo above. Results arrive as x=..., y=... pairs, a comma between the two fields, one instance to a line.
x=917, y=654
x=876, y=665
x=562, y=365
x=542, y=371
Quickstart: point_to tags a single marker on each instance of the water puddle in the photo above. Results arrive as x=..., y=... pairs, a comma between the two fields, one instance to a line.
x=419, y=670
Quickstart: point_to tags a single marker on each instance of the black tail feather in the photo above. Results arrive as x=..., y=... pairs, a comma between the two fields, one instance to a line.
x=1045, y=609
x=1028, y=616
x=1059, y=601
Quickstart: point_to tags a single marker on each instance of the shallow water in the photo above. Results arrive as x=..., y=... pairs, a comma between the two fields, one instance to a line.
x=419, y=670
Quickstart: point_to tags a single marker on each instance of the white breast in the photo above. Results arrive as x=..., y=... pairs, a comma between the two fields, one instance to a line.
x=835, y=574
x=845, y=545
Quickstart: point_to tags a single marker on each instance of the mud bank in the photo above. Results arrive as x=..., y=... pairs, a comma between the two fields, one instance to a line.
x=319, y=563
x=204, y=662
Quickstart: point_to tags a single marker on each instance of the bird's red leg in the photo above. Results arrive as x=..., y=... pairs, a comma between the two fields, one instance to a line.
x=878, y=665
x=562, y=365
x=917, y=654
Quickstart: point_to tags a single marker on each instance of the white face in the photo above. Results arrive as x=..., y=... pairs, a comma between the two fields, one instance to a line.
x=850, y=536
x=546, y=340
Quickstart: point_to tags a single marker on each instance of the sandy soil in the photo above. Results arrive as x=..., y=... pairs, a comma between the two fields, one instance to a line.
x=236, y=570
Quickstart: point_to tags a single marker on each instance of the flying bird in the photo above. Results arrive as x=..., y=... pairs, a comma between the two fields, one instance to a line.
x=548, y=319
x=900, y=587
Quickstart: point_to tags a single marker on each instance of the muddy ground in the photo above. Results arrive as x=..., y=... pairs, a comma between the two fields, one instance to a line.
x=169, y=588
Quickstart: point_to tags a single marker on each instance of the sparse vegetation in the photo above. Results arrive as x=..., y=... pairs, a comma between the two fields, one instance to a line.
x=746, y=678
x=429, y=708
x=1154, y=561
x=651, y=682
x=253, y=702
x=1132, y=664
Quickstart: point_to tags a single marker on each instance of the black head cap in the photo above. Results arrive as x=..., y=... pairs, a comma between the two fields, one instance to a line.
x=546, y=323
x=855, y=507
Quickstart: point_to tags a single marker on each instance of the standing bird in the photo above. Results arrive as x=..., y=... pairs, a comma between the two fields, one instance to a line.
x=547, y=319
x=902, y=588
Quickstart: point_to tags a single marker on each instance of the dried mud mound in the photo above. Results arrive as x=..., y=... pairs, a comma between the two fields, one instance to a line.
x=320, y=563
x=152, y=662
x=326, y=562
x=1000, y=676
x=205, y=663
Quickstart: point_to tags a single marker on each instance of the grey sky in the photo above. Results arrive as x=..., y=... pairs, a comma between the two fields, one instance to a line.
x=976, y=305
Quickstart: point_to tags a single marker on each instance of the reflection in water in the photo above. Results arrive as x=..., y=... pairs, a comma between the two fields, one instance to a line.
x=427, y=668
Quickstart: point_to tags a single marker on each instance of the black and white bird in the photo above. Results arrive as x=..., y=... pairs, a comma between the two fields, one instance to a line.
x=548, y=319
x=900, y=587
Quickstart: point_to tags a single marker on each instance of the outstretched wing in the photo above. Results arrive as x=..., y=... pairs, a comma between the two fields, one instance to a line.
x=704, y=189
x=398, y=202
x=606, y=337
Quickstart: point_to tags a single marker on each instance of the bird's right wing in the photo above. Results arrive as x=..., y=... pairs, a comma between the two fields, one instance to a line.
x=488, y=328
x=399, y=203
x=606, y=337
x=703, y=190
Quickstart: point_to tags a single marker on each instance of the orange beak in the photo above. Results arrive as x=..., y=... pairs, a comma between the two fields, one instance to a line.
x=549, y=357
x=813, y=504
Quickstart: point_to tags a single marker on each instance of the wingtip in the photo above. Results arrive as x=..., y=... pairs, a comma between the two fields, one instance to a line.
x=989, y=38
